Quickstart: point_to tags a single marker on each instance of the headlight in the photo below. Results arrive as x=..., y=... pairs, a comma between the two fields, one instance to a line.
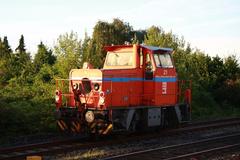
x=101, y=100
x=89, y=116
x=96, y=86
x=57, y=98
x=75, y=86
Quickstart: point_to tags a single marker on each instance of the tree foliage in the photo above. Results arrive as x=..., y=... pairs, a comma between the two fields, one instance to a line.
x=156, y=36
x=21, y=61
x=43, y=56
x=104, y=33
x=5, y=58
x=68, y=53
x=5, y=49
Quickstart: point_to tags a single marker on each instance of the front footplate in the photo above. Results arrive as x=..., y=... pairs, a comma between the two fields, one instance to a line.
x=70, y=120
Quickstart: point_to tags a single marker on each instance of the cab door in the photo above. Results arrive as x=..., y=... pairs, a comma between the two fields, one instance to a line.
x=148, y=80
x=165, y=80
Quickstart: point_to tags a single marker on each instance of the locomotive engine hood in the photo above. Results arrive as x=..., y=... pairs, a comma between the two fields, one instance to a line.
x=87, y=86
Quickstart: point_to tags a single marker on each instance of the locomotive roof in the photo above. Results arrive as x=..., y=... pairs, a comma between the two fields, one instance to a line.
x=150, y=48
x=154, y=48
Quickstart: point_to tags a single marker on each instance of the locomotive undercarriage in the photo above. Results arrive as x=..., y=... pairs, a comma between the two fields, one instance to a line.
x=102, y=122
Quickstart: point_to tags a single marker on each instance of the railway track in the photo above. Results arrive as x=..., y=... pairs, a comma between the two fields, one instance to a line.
x=20, y=152
x=185, y=151
x=40, y=149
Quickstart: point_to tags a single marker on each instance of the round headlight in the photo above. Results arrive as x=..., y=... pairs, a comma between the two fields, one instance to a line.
x=89, y=116
x=96, y=86
x=75, y=86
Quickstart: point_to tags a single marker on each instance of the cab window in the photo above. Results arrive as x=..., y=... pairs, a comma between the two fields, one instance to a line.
x=119, y=59
x=163, y=60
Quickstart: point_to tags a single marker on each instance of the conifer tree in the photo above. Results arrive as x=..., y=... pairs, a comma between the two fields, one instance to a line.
x=5, y=49
x=22, y=61
x=21, y=46
x=21, y=54
x=43, y=56
x=5, y=61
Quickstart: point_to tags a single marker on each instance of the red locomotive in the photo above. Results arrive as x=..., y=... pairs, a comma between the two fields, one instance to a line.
x=137, y=89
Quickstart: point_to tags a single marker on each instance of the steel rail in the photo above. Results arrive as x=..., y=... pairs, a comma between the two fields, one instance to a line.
x=204, y=152
x=40, y=144
x=165, y=148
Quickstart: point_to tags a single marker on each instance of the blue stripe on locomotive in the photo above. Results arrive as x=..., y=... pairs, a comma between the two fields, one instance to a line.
x=127, y=79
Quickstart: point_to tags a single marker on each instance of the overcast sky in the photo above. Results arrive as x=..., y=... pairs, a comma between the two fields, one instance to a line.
x=212, y=26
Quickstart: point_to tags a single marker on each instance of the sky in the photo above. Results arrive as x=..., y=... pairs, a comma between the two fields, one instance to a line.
x=213, y=26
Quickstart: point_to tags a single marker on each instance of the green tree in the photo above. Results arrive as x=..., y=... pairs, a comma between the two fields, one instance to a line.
x=21, y=46
x=226, y=81
x=198, y=68
x=5, y=61
x=85, y=48
x=104, y=33
x=138, y=36
x=217, y=72
x=5, y=49
x=121, y=31
x=21, y=62
x=68, y=53
x=156, y=36
x=231, y=68
x=43, y=56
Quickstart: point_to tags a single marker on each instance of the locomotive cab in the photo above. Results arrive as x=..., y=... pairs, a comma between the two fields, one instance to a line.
x=159, y=75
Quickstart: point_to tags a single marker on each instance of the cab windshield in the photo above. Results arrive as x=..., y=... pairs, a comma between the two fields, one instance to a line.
x=163, y=60
x=119, y=59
